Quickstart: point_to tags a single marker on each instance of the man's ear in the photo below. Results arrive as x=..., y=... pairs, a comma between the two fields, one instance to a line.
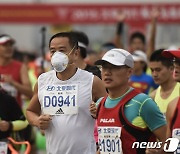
x=171, y=68
x=129, y=72
x=77, y=52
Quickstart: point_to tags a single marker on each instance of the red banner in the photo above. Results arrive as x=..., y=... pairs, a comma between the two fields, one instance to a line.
x=86, y=13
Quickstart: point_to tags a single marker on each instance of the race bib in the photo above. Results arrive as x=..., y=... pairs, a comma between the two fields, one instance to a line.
x=3, y=148
x=60, y=99
x=109, y=140
x=176, y=134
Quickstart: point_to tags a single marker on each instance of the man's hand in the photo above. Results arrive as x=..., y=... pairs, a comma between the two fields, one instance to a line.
x=43, y=121
x=120, y=16
x=93, y=109
x=155, y=13
x=7, y=78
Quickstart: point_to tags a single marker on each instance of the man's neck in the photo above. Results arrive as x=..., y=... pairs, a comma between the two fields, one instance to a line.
x=4, y=61
x=68, y=73
x=138, y=72
x=118, y=92
x=168, y=86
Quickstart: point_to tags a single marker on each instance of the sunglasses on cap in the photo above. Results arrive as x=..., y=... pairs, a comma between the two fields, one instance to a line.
x=176, y=61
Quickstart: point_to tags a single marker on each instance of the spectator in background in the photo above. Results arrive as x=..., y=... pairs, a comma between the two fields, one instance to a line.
x=162, y=73
x=139, y=79
x=14, y=75
x=137, y=40
x=83, y=43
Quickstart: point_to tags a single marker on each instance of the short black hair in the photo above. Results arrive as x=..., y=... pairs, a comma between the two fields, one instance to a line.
x=138, y=35
x=72, y=39
x=2, y=35
x=82, y=38
x=108, y=46
x=156, y=56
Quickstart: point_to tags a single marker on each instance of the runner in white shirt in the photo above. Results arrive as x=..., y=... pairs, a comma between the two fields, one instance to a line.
x=62, y=98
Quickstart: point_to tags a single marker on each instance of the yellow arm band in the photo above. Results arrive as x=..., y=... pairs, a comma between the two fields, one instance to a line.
x=19, y=124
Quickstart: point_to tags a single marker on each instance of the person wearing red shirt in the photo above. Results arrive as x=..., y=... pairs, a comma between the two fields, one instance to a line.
x=14, y=75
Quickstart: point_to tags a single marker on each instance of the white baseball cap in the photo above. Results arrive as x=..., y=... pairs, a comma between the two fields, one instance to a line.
x=5, y=38
x=139, y=55
x=117, y=57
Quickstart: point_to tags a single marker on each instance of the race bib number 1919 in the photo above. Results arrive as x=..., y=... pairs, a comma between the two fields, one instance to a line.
x=60, y=99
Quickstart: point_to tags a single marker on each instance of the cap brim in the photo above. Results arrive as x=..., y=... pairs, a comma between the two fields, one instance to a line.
x=171, y=53
x=100, y=62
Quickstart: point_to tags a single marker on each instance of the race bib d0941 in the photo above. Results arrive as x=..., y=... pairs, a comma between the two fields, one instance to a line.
x=109, y=140
x=60, y=99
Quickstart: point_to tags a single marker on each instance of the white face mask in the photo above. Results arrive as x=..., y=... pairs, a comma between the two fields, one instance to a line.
x=60, y=60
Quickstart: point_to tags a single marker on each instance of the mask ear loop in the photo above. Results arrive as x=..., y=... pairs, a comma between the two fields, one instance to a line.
x=70, y=53
x=71, y=50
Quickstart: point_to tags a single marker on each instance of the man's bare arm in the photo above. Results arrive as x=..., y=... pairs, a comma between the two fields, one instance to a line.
x=33, y=112
x=98, y=89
